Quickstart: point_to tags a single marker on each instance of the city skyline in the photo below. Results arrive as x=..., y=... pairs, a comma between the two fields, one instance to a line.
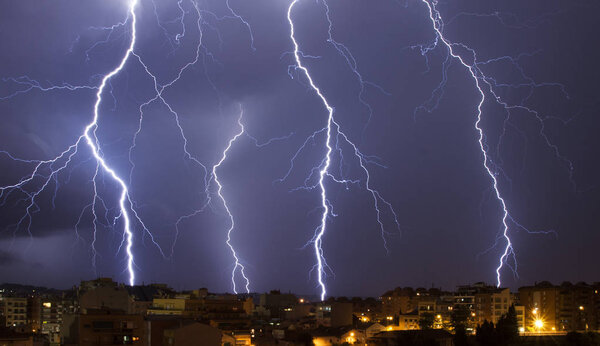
x=539, y=311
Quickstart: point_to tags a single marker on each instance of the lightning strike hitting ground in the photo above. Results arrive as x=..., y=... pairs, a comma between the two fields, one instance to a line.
x=332, y=129
x=483, y=83
x=238, y=266
x=159, y=89
x=126, y=211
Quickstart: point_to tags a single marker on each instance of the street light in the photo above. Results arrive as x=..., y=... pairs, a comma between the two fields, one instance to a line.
x=538, y=324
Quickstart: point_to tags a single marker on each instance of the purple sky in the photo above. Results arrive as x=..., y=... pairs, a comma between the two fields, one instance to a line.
x=433, y=175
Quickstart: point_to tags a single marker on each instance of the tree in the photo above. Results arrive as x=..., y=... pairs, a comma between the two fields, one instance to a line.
x=579, y=339
x=426, y=321
x=459, y=316
x=507, y=329
x=305, y=339
x=486, y=334
x=460, y=336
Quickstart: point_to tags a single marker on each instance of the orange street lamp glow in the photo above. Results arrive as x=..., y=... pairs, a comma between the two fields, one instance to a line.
x=538, y=323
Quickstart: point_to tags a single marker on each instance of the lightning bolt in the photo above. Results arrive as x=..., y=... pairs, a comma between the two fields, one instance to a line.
x=215, y=177
x=331, y=130
x=487, y=84
x=345, y=52
x=211, y=178
x=243, y=21
x=233, y=15
x=159, y=89
x=238, y=266
x=92, y=141
x=56, y=165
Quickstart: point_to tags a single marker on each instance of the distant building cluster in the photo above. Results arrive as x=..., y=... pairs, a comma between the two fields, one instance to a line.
x=540, y=309
x=103, y=312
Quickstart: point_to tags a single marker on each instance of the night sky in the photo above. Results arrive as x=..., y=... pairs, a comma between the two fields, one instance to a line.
x=429, y=164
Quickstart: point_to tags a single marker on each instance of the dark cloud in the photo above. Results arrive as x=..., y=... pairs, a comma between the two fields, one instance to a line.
x=7, y=258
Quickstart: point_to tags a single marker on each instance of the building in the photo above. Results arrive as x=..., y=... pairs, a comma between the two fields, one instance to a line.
x=182, y=306
x=408, y=321
x=156, y=325
x=367, y=310
x=577, y=307
x=354, y=336
x=34, y=313
x=106, y=296
x=191, y=334
x=374, y=329
x=10, y=338
x=564, y=308
x=51, y=311
x=341, y=314
x=227, y=307
x=541, y=309
x=398, y=301
x=111, y=327
x=97, y=283
x=299, y=311
x=520, y=312
x=491, y=303
x=14, y=311
x=275, y=302
x=142, y=296
x=327, y=336
x=69, y=329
